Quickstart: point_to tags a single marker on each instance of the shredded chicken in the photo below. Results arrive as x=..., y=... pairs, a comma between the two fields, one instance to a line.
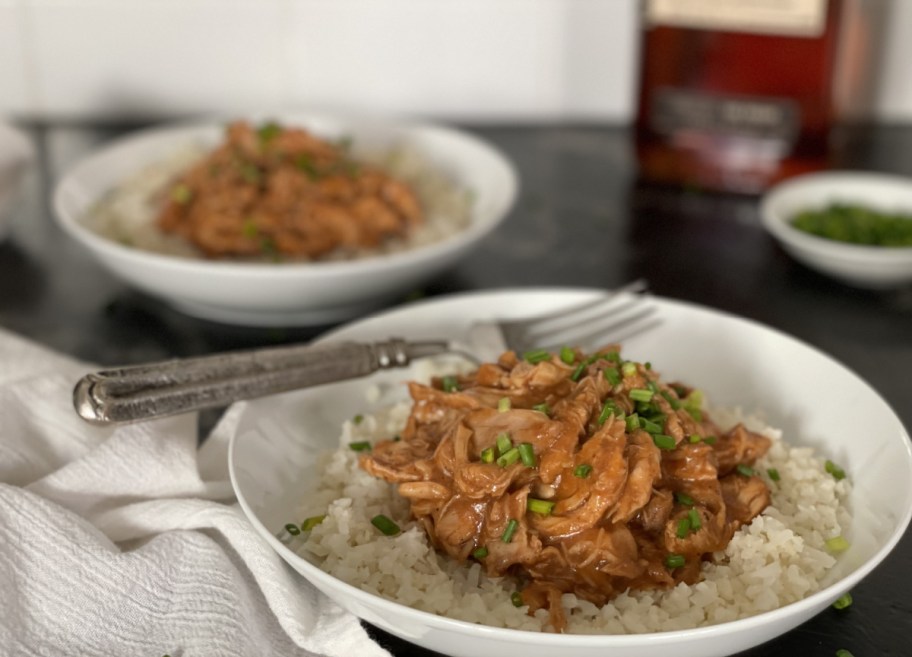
x=278, y=191
x=585, y=475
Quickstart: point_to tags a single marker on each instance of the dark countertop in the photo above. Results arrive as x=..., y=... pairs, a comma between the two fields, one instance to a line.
x=581, y=220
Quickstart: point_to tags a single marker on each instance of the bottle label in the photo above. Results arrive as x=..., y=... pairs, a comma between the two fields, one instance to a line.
x=806, y=18
x=675, y=111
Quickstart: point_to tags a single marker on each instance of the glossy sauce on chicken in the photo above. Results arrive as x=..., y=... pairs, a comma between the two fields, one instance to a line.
x=277, y=191
x=575, y=474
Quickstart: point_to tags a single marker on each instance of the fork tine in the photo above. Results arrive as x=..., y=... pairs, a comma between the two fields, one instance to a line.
x=525, y=334
x=609, y=330
x=578, y=318
x=637, y=286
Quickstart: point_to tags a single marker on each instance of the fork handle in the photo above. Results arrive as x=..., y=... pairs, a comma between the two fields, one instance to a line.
x=171, y=387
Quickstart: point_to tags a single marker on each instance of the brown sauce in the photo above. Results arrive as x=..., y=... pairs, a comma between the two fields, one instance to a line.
x=575, y=475
x=278, y=192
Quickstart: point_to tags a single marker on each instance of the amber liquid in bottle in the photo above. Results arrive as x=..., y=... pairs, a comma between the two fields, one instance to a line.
x=734, y=109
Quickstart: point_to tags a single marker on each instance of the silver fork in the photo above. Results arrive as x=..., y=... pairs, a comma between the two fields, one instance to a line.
x=144, y=392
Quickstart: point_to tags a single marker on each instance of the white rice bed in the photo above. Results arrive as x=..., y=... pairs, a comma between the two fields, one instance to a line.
x=779, y=558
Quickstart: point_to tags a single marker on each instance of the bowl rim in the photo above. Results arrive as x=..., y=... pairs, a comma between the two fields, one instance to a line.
x=291, y=270
x=780, y=227
x=800, y=609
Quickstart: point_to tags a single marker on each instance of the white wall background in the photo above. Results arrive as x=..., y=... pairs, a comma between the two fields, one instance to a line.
x=466, y=60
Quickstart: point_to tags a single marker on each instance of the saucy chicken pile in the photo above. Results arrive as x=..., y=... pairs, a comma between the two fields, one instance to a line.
x=582, y=474
x=279, y=191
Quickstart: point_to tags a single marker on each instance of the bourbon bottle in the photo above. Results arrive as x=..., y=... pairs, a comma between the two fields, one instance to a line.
x=737, y=95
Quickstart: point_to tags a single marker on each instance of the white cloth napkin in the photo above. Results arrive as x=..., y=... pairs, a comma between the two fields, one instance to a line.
x=128, y=541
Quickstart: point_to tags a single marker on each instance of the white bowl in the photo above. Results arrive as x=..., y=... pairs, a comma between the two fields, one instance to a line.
x=16, y=154
x=287, y=293
x=736, y=361
x=861, y=266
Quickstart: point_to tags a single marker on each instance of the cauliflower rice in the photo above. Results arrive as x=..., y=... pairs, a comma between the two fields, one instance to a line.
x=777, y=559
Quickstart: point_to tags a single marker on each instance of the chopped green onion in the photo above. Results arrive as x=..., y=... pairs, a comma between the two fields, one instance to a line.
x=647, y=365
x=542, y=507
x=504, y=404
x=269, y=131
x=842, y=652
x=693, y=404
x=745, y=470
x=695, y=521
x=649, y=426
x=693, y=439
x=578, y=372
x=683, y=527
x=663, y=442
x=527, y=454
x=651, y=385
x=358, y=419
x=306, y=164
x=613, y=356
x=542, y=408
x=608, y=410
x=268, y=246
x=509, y=457
x=674, y=403
x=537, y=356
x=856, y=224
x=684, y=499
x=250, y=173
x=628, y=368
x=310, y=523
x=480, y=553
x=249, y=229
x=582, y=471
x=694, y=399
x=633, y=422
x=450, y=384
x=386, y=526
x=837, y=472
x=507, y=535
x=710, y=440
x=675, y=560
x=773, y=474
x=837, y=544
x=568, y=355
x=844, y=601
x=360, y=446
x=487, y=455
x=516, y=599
x=612, y=375
x=347, y=167
x=292, y=529
x=181, y=194
x=503, y=443
x=641, y=394
x=646, y=408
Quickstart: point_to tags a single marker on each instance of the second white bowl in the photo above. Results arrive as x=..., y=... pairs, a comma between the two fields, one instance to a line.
x=276, y=294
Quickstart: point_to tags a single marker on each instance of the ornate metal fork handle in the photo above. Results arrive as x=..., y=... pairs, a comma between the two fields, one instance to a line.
x=171, y=387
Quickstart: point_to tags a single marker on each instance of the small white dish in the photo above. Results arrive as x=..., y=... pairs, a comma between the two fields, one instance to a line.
x=872, y=267
x=738, y=362
x=280, y=294
x=16, y=153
